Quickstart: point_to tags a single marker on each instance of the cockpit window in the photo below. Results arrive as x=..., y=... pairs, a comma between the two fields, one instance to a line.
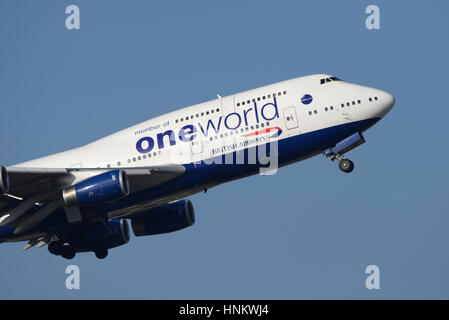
x=325, y=80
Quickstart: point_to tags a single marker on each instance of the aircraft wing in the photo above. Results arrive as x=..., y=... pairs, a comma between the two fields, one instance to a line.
x=25, y=182
x=42, y=187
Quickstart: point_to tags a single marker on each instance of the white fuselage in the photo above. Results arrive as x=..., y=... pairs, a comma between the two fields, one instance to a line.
x=209, y=129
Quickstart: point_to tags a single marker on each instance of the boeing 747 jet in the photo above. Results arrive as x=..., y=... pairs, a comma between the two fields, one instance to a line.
x=81, y=200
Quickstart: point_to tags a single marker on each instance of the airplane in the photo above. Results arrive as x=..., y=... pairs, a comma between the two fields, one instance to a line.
x=81, y=200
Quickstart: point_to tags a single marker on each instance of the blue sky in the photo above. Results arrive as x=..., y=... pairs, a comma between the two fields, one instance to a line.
x=307, y=232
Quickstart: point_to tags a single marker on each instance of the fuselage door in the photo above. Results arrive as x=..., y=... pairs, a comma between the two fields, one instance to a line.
x=290, y=118
x=197, y=146
x=227, y=105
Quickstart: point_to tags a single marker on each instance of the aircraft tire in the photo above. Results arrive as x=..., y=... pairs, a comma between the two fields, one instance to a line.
x=346, y=165
x=101, y=253
x=68, y=252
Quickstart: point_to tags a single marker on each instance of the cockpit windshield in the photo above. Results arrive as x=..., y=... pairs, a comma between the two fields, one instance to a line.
x=325, y=80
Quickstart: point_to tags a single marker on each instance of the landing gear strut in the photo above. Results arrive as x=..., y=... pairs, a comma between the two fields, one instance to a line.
x=344, y=164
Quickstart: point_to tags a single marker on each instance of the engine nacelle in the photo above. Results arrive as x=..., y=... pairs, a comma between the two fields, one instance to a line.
x=120, y=233
x=166, y=218
x=4, y=180
x=105, y=187
x=114, y=234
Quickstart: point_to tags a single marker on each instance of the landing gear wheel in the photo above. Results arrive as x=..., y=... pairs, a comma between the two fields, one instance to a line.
x=101, y=253
x=68, y=252
x=346, y=165
x=55, y=248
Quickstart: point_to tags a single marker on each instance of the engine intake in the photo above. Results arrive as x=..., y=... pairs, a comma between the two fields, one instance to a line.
x=120, y=233
x=105, y=187
x=4, y=180
x=167, y=218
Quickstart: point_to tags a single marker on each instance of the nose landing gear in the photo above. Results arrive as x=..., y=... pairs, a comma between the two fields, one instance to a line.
x=346, y=165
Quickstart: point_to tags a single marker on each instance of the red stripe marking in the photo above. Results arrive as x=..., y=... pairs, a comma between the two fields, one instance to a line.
x=267, y=130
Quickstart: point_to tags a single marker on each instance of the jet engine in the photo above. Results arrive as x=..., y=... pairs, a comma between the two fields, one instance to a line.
x=163, y=219
x=105, y=187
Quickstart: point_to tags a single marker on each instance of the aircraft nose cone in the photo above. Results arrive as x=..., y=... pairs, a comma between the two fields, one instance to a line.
x=387, y=102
